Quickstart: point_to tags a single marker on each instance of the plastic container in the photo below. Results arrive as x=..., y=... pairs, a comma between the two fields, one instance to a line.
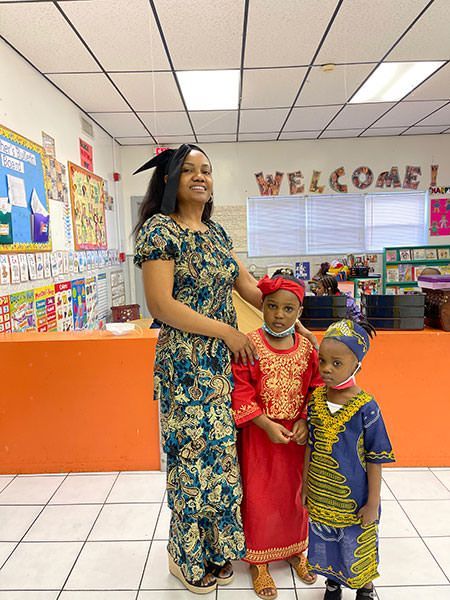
x=125, y=312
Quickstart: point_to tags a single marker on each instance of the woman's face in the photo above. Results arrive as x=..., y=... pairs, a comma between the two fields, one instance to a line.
x=195, y=184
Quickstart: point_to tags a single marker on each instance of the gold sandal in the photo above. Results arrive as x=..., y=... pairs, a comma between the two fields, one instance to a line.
x=262, y=580
x=300, y=566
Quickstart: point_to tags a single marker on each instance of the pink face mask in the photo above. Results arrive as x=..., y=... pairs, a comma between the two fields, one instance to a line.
x=349, y=382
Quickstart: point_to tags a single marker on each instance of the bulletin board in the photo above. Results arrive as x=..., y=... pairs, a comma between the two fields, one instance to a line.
x=22, y=185
x=87, y=194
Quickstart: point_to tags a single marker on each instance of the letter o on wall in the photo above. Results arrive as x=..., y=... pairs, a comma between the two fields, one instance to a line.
x=362, y=177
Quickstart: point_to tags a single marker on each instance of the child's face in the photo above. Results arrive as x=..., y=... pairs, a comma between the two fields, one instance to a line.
x=281, y=309
x=319, y=290
x=336, y=362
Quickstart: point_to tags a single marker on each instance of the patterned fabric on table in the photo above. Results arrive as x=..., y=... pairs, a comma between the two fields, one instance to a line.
x=193, y=384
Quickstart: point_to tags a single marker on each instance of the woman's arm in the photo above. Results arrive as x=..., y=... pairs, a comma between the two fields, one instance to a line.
x=245, y=285
x=158, y=286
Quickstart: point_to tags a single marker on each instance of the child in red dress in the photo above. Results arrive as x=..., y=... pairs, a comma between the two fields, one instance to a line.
x=269, y=404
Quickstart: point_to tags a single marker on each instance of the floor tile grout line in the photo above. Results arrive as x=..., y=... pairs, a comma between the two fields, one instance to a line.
x=436, y=560
x=149, y=549
x=85, y=541
x=13, y=477
x=44, y=506
x=441, y=482
x=423, y=541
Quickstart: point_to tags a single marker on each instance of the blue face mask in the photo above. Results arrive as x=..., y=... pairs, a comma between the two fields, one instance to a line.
x=279, y=334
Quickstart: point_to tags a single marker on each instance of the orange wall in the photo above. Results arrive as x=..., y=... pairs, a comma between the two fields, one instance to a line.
x=84, y=401
x=79, y=401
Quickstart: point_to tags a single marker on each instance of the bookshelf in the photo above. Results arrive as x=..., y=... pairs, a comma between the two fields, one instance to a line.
x=402, y=265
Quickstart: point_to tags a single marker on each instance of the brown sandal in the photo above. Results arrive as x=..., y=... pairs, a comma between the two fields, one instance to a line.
x=300, y=566
x=196, y=587
x=262, y=580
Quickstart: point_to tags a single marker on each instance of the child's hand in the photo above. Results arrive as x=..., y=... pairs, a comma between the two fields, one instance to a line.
x=277, y=433
x=304, y=495
x=301, y=329
x=368, y=513
x=300, y=431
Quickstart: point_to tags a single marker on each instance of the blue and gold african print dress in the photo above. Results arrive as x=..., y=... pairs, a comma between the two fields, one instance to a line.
x=193, y=383
x=342, y=443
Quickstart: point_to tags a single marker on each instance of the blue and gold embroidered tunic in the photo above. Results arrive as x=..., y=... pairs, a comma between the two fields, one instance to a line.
x=341, y=445
x=193, y=378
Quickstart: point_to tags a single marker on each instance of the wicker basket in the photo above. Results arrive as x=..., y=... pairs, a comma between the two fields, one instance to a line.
x=126, y=312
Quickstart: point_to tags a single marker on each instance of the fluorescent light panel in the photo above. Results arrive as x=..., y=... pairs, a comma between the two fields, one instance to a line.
x=392, y=81
x=210, y=90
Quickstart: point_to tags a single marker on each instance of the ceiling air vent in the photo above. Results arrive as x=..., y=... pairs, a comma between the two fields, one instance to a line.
x=86, y=127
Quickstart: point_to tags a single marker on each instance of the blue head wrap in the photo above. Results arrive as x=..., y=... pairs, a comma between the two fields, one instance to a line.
x=352, y=335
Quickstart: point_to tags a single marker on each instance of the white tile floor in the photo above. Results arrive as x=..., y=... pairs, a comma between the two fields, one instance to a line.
x=103, y=537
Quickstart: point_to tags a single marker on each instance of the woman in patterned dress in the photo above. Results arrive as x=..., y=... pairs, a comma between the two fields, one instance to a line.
x=189, y=271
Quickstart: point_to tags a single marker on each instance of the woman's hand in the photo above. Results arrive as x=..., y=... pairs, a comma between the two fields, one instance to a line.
x=300, y=431
x=240, y=346
x=301, y=329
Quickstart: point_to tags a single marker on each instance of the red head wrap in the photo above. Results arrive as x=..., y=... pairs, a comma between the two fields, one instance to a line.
x=269, y=286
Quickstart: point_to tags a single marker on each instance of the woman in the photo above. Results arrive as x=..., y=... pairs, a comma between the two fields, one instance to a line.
x=189, y=271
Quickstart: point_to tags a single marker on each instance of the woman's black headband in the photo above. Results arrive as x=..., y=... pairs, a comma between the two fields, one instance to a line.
x=172, y=161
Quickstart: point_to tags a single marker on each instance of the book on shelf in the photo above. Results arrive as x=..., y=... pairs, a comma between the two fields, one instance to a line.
x=405, y=272
x=443, y=253
x=419, y=254
x=391, y=255
x=392, y=273
x=392, y=290
x=417, y=270
x=431, y=253
x=405, y=254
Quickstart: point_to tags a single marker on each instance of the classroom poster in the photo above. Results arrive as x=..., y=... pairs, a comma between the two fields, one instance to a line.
x=5, y=315
x=64, y=312
x=86, y=155
x=440, y=216
x=91, y=302
x=87, y=193
x=23, y=183
x=22, y=311
x=79, y=303
x=44, y=301
x=102, y=299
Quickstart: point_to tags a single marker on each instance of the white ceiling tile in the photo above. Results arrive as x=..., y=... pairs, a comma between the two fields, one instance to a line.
x=333, y=87
x=254, y=121
x=310, y=117
x=136, y=141
x=149, y=91
x=175, y=140
x=128, y=38
x=202, y=35
x=299, y=135
x=437, y=87
x=266, y=88
x=258, y=137
x=360, y=115
x=382, y=131
x=285, y=33
x=204, y=139
x=341, y=133
x=214, y=121
x=441, y=117
x=425, y=130
x=163, y=124
x=408, y=113
x=92, y=91
x=120, y=124
x=41, y=34
x=429, y=38
x=364, y=31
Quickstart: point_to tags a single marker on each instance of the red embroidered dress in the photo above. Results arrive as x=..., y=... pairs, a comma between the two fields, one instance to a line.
x=278, y=384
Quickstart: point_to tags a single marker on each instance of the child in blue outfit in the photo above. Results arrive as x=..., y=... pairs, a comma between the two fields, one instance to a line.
x=347, y=445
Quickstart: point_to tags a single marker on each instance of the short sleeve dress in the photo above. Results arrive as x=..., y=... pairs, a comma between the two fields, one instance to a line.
x=193, y=383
